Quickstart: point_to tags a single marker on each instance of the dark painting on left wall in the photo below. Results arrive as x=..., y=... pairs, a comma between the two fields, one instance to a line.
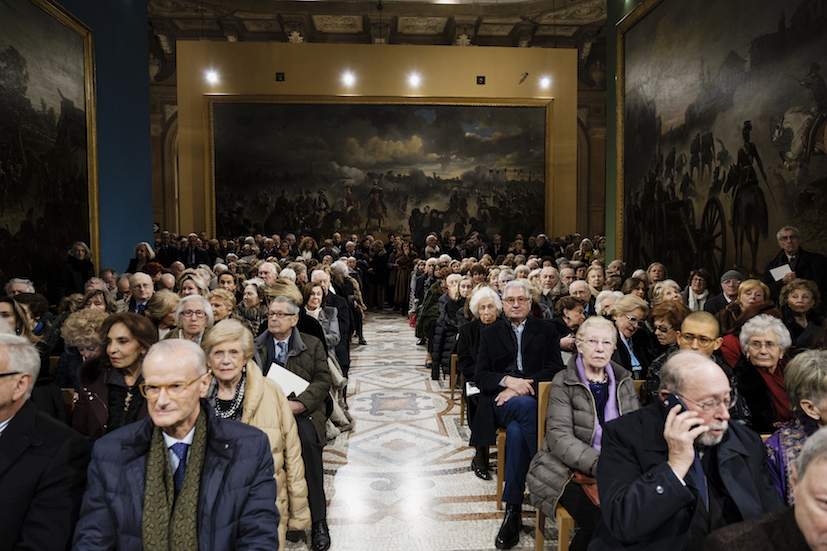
x=48, y=159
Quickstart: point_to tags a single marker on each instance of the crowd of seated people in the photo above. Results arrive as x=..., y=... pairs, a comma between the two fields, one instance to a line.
x=731, y=358
x=654, y=330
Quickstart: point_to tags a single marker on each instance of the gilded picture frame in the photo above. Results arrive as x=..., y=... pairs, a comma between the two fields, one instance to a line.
x=49, y=174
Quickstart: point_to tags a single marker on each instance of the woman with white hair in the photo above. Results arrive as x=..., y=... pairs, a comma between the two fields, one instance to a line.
x=240, y=392
x=193, y=319
x=760, y=372
x=485, y=306
x=590, y=392
x=604, y=300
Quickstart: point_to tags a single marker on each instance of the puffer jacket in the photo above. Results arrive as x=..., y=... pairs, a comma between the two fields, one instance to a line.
x=570, y=425
x=451, y=318
x=236, y=502
x=267, y=408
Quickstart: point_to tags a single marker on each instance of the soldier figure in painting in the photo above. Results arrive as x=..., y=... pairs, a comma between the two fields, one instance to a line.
x=749, y=208
x=818, y=89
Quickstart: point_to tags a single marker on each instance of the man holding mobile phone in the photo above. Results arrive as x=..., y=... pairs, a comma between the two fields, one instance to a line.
x=674, y=471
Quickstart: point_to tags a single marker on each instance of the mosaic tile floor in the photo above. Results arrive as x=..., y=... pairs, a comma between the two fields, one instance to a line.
x=402, y=478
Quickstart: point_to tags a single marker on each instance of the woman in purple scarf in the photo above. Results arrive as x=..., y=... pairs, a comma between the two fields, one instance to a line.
x=592, y=390
x=805, y=379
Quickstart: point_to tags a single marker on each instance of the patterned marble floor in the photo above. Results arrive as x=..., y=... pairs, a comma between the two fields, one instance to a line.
x=402, y=479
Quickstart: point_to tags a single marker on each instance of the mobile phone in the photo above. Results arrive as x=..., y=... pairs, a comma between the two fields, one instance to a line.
x=670, y=401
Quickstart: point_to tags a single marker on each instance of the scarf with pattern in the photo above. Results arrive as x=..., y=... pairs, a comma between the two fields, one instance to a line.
x=169, y=523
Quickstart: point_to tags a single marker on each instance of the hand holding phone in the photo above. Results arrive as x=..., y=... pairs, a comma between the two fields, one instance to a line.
x=681, y=427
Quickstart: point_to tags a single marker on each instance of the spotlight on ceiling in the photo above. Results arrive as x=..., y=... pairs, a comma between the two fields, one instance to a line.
x=212, y=77
x=545, y=82
x=414, y=79
x=348, y=79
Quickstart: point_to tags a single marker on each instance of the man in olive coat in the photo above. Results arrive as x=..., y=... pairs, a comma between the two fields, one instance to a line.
x=305, y=356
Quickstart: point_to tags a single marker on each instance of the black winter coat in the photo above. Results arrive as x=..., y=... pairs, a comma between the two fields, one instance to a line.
x=448, y=324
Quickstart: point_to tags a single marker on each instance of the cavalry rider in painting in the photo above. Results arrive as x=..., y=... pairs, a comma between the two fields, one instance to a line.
x=818, y=89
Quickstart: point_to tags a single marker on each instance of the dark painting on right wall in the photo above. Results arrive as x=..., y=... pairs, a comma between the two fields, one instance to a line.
x=721, y=133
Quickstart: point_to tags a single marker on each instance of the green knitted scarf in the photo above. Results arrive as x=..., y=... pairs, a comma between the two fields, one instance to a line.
x=169, y=523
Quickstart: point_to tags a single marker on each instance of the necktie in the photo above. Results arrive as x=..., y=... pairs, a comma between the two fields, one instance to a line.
x=698, y=476
x=792, y=261
x=180, y=450
x=281, y=353
x=139, y=309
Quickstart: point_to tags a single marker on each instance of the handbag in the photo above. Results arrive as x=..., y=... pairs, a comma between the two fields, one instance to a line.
x=588, y=484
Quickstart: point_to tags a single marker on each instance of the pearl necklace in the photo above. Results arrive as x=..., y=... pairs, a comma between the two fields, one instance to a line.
x=237, y=400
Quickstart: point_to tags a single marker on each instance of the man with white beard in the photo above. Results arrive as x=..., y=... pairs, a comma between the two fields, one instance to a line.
x=674, y=471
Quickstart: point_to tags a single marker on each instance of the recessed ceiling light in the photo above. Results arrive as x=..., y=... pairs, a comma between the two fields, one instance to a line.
x=212, y=77
x=414, y=79
x=545, y=82
x=348, y=79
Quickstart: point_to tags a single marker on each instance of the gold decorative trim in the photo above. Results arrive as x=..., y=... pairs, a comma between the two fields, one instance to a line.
x=74, y=24
x=623, y=26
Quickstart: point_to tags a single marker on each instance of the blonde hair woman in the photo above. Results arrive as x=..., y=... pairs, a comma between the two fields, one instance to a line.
x=240, y=392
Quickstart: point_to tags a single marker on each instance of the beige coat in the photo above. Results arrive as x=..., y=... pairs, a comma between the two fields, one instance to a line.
x=266, y=408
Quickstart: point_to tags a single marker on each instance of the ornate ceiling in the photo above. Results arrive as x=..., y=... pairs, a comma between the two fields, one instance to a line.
x=538, y=23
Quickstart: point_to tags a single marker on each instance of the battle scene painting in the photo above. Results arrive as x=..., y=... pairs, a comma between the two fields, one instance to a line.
x=45, y=188
x=724, y=111
x=379, y=168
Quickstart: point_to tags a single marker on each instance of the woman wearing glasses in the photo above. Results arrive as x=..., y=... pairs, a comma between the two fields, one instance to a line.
x=240, y=392
x=591, y=391
x=109, y=397
x=760, y=372
x=629, y=314
x=193, y=319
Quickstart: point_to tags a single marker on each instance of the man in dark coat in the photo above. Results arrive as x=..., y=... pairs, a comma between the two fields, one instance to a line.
x=223, y=494
x=668, y=477
x=516, y=353
x=804, y=264
x=304, y=356
x=795, y=528
x=730, y=280
x=42, y=461
x=194, y=255
x=342, y=349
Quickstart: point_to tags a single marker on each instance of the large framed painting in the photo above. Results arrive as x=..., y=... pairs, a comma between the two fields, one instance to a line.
x=720, y=132
x=359, y=166
x=48, y=158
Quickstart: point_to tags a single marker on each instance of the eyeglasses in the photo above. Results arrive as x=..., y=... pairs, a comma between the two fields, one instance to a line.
x=174, y=390
x=592, y=343
x=714, y=403
x=758, y=345
x=689, y=338
x=515, y=300
x=633, y=320
x=279, y=315
x=190, y=313
x=10, y=374
x=662, y=329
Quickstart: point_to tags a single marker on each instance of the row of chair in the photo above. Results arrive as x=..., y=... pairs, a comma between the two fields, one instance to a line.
x=565, y=522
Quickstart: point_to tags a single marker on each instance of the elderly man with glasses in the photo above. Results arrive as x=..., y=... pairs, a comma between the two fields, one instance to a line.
x=182, y=478
x=42, y=461
x=516, y=353
x=282, y=346
x=676, y=470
